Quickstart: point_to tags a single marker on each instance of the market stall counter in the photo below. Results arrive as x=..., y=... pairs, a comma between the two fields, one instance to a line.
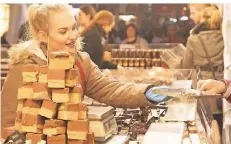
x=182, y=120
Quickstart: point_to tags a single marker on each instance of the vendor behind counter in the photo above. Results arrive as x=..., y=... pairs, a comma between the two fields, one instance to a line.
x=132, y=37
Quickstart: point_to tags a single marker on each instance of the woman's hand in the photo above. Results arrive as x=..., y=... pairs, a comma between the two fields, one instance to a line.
x=208, y=87
x=157, y=98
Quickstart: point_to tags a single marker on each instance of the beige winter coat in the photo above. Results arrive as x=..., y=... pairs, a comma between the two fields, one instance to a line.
x=98, y=86
x=195, y=55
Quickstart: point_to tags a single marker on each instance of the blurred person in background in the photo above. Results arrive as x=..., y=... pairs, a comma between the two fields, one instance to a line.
x=205, y=46
x=224, y=86
x=195, y=11
x=121, y=29
x=158, y=35
x=132, y=36
x=204, y=52
x=173, y=36
x=85, y=16
x=95, y=39
x=114, y=37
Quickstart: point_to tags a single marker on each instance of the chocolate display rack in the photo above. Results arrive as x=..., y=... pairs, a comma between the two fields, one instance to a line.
x=145, y=58
x=141, y=56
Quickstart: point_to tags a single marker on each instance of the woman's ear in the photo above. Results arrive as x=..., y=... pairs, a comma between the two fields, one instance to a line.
x=43, y=36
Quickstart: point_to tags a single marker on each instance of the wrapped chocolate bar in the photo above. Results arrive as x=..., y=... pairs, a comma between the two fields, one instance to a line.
x=56, y=139
x=18, y=121
x=32, y=123
x=77, y=129
x=20, y=105
x=68, y=112
x=25, y=91
x=56, y=78
x=48, y=109
x=76, y=94
x=60, y=95
x=43, y=70
x=60, y=60
x=82, y=111
x=54, y=127
x=31, y=107
x=30, y=73
x=40, y=91
x=71, y=78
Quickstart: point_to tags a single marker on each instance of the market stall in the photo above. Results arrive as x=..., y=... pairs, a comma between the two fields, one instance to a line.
x=184, y=119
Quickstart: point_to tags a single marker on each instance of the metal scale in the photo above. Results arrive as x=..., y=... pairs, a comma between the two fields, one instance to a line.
x=102, y=122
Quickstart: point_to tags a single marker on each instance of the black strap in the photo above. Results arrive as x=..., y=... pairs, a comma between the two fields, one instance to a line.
x=207, y=56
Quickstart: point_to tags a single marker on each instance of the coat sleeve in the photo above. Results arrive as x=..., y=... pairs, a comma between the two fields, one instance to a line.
x=9, y=95
x=112, y=92
x=187, y=62
x=94, y=47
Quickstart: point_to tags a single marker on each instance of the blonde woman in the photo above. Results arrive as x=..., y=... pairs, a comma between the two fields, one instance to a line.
x=205, y=48
x=95, y=39
x=195, y=11
x=85, y=16
x=54, y=26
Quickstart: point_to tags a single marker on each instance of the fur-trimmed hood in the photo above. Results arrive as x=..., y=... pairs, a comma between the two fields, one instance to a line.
x=30, y=51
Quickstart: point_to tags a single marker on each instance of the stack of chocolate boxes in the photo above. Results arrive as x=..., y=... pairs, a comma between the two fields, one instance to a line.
x=50, y=104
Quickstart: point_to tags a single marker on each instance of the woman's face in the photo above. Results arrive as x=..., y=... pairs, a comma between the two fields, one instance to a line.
x=83, y=19
x=108, y=28
x=131, y=32
x=62, y=31
x=195, y=14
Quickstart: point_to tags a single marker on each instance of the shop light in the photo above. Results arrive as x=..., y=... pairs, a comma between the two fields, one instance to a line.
x=4, y=18
x=173, y=20
x=183, y=18
x=127, y=17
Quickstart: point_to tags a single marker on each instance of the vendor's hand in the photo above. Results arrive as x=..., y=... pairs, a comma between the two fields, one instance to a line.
x=208, y=87
x=156, y=98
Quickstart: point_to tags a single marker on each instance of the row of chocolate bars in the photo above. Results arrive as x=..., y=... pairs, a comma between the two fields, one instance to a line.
x=50, y=107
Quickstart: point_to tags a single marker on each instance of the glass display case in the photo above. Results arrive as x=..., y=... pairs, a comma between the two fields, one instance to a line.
x=154, y=75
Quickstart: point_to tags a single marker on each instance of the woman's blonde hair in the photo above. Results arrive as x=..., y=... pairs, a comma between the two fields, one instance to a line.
x=199, y=7
x=103, y=18
x=38, y=16
x=38, y=19
x=212, y=16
